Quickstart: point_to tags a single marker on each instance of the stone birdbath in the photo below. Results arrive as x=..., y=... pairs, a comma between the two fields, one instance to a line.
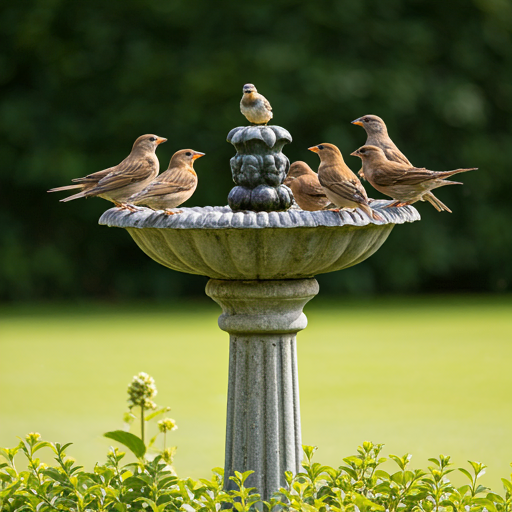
x=262, y=258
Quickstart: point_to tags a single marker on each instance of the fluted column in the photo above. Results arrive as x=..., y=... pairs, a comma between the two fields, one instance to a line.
x=263, y=415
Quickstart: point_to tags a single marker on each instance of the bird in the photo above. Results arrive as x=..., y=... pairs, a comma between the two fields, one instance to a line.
x=404, y=183
x=173, y=187
x=341, y=186
x=254, y=106
x=377, y=135
x=306, y=188
x=118, y=183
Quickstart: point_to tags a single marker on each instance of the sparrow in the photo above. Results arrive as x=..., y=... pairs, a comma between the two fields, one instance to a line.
x=254, y=106
x=306, y=188
x=403, y=182
x=341, y=186
x=377, y=135
x=173, y=187
x=118, y=183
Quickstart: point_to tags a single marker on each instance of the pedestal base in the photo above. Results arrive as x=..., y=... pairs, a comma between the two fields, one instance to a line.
x=263, y=431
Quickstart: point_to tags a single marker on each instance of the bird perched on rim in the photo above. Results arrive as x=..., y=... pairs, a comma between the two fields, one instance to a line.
x=118, y=183
x=306, y=188
x=377, y=135
x=173, y=187
x=341, y=186
x=254, y=106
x=403, y=182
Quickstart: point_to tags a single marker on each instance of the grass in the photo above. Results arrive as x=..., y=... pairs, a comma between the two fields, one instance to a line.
x=422, y=375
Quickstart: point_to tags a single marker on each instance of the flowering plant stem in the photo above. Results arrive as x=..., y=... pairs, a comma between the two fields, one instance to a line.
x=142, y=422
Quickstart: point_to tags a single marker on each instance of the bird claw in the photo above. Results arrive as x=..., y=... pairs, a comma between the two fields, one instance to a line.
x=126, y=206
x=396, y=204
x=168, y=212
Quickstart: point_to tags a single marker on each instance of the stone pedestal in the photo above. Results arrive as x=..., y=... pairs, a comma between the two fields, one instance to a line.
x=263, y=414
x=260, y=266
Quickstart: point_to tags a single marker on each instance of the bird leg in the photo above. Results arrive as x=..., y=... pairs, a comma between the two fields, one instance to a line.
x=125, y=206
x=334, y=209
x=168, y=212
x=397, y=204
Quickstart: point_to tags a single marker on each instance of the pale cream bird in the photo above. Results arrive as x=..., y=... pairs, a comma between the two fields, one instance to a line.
x=254, y=106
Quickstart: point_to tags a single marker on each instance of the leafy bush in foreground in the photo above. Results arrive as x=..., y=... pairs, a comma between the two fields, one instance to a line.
x=151, y=482
x=356, y=486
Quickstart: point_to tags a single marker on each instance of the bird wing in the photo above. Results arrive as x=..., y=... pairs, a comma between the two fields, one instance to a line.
x=392, y=153
x=312, y=186
x=172, y=183
x=391, y=175
x=395, y=155
x=130, y=170
x=266, y=103
x=94, y=177
x=348, y=188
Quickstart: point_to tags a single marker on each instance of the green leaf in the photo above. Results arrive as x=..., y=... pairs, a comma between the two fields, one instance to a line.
x=149, y=502
x=495, y=497
x=356, y=461
x=131, y=441
x=507, y=484
x=488, y=504
x=157, y=413
x=467, y=473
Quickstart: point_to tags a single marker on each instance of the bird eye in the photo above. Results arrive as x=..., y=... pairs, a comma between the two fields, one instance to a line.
x=365, y=119
x=188, y=153
x=362, y=151
x=320, y=146
x=152, y=139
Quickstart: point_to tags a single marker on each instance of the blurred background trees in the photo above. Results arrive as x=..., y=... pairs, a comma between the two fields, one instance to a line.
x=81, y=80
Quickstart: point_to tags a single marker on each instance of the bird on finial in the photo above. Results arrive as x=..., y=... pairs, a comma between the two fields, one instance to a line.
x=254, y=106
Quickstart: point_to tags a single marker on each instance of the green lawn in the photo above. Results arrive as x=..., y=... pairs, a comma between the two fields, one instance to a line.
x=422, y=375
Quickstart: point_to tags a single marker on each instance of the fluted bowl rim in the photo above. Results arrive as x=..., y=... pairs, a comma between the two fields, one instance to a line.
x=223, y=217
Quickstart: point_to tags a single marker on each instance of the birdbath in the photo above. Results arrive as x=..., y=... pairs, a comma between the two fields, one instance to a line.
x=262, y=266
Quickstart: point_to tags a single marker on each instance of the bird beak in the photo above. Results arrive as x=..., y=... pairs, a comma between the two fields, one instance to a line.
x=355, y=153
x=358, y=122
x=314, y=149
x=159, y=140
x=197, y=155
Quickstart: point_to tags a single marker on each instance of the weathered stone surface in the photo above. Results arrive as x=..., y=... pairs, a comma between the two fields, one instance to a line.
x=260, y=260
x=222, y=244
x=259, y=168
x=263, y=415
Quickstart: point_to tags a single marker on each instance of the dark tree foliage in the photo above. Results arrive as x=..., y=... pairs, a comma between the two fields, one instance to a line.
x=80, y=80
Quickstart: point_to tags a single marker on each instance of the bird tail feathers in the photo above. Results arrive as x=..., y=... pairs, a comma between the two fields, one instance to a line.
x=66, y=187
x=447, y=174
x=74, y=196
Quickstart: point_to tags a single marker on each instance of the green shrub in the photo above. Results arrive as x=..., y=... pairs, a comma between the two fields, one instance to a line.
x=151, y=484
x=356, y=486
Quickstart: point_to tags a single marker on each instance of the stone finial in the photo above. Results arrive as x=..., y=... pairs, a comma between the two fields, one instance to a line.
x=259, y=169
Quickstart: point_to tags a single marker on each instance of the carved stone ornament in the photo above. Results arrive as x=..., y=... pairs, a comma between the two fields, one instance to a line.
x=259, y=169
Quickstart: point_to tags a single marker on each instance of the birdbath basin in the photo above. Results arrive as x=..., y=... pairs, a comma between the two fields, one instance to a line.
x=261, y=267
x=222, y=244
